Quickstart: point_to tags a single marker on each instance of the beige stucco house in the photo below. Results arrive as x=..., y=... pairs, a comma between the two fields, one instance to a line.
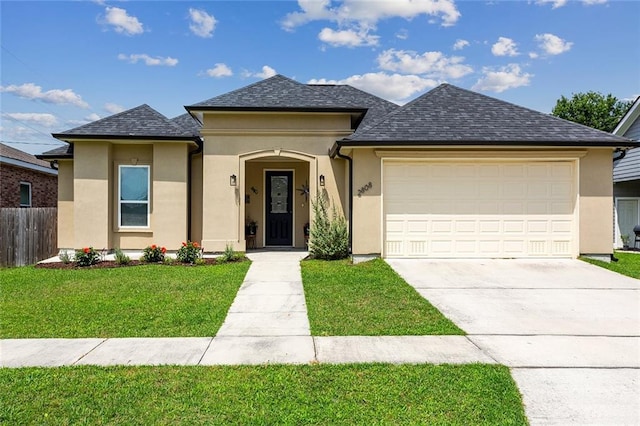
x=450, y=174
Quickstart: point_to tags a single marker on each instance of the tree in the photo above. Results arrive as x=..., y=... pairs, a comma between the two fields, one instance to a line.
x=592, y=109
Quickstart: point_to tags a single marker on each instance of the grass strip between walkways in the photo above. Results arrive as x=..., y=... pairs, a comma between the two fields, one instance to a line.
x=368, y=299
x=628, y=264
x=138, y=301
x=308, y=394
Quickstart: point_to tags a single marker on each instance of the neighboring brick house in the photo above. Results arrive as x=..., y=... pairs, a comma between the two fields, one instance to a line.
x=26, y=181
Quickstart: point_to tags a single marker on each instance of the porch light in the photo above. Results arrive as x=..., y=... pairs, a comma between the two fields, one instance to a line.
x=232, y=180
x=321, y=180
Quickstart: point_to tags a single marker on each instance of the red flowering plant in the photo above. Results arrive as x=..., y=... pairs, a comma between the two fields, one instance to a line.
x=87, y=256
x=153, y=253
x=189, y=252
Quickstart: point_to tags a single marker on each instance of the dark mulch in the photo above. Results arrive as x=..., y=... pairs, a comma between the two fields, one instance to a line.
x=112, y=264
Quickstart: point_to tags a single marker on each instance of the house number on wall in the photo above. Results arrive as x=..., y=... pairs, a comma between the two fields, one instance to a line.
x=364, y=189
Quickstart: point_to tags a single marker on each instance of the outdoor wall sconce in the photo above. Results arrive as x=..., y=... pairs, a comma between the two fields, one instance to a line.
x=232, y=180
x=321, y=180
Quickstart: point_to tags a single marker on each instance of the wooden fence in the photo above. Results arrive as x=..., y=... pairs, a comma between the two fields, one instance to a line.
x=27, y=235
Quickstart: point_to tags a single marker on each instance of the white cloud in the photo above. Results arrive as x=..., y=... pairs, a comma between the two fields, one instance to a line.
x=267, y=72
x=533, y=55
x=148, y=60
x=113, y=108
x=55, y=96
x=368, y=13
x=219, y=70
x=593, y=2
x=202, y=24
x=432, y=64
x=348, y=38
x=122, y=22
x=460, y=44
x=554, y=3
x=46, y=120
x=552, y=44
x=507, y=77
x=92, y=117
x=394, y=87
x=402, y=34
x=505, y=47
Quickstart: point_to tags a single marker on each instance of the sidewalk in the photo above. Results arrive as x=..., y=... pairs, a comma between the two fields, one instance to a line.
x=266, y=324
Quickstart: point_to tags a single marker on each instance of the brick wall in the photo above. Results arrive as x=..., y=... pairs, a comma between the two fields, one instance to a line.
x=44, y=187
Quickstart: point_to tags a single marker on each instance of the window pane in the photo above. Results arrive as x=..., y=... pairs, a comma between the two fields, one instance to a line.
x=134, y=183
x=279, y=194
x=25, y=194
x=133, y=214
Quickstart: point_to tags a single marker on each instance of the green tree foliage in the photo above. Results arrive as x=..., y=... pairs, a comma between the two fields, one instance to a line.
x=329, y=236
x=592, y=109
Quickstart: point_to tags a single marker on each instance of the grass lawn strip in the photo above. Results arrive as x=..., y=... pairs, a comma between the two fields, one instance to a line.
x=628, y=264
x=309, y=394
x=141, y=301
x=367, y=299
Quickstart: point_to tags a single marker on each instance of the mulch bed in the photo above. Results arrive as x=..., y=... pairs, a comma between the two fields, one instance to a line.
x=113, y=264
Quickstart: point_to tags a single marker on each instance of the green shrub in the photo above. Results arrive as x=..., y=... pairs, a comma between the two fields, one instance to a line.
x=153, y=253
x=168, y=260
x=328, y=237
x=121, y=257
x=65, y=257
x=228, y=255
x=86, y=257
x=189, y=252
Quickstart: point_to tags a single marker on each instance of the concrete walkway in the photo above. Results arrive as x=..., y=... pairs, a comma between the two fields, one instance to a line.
x=266, y=324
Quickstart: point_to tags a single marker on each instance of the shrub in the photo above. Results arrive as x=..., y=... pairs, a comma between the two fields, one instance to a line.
x=65, y=257
x=189, y=252
x=228, y=255
x=121, y=257
x=153, y=253
x=168, y=260
x=86, y=257
x=328, y=237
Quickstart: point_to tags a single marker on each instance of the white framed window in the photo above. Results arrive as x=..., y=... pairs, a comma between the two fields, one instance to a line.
x=133, y=196
x=25, y=194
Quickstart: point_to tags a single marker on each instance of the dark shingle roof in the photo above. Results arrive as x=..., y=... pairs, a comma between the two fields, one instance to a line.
x=138, y=123
x=64, y=151
x=275, y=93
x=187, y=122
x=377, y=107
x=449, y=114
x=15, y=154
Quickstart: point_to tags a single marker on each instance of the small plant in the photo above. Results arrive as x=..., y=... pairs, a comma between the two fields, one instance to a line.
x=200, y=261
x=65, y=257
x=329, y=237
x=189, y=252
x=121, y=257
x=625, y=240
x=168, y=260
x=229, y=255
x=87, y=256
x=153, y=253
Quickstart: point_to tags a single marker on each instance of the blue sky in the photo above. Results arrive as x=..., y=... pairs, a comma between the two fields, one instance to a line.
x=64, y=64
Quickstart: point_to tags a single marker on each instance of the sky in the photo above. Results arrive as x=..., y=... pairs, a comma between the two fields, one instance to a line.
x=67, y=63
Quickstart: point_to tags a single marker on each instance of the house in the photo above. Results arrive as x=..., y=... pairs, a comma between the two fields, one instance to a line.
x=26, y=181
x=626, y=178
x=451, y=174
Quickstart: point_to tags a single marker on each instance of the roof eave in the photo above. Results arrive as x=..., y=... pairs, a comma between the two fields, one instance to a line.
x=71, y=137
x=545, y=143
x=194, y=108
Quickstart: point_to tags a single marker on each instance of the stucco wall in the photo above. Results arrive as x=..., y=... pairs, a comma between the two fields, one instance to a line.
x=596, y=202
x=66, y=231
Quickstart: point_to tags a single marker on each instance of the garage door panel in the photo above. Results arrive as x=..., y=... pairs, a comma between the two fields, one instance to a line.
x=479, y=210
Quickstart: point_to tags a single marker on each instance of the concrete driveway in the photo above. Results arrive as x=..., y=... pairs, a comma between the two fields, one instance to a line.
x=569, y=331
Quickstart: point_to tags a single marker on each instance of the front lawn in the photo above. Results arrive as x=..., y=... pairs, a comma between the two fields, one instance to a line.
x=628, y=264
x=294, y=395
x=139, y=301
x=367, y=299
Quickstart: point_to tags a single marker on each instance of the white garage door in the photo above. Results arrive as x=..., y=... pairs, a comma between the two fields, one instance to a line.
x=479, y=209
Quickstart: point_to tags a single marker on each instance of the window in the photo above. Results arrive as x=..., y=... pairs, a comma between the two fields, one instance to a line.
x=133, y=196
x=25, y=194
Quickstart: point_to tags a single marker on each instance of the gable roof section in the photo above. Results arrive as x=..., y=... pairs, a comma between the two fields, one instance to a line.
x=15, y=157
x=277, y=93
x=629, y=125
x=64, y=151
x=451, y=115
x=142, y=122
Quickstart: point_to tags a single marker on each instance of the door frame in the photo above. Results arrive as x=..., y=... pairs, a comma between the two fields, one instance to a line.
x=293, y=205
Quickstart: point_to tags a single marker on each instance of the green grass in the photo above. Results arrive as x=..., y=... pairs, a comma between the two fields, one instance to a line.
x=367, y=299
x=140, y=301
x=290, y=395
x=627, y=264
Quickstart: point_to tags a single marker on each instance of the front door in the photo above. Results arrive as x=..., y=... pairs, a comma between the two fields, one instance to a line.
x=279, y=208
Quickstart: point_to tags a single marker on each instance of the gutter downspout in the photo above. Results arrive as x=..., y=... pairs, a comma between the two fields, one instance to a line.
x=197, y=151
x=350, y=161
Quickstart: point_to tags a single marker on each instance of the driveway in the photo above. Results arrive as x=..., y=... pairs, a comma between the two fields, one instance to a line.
x=569, y=331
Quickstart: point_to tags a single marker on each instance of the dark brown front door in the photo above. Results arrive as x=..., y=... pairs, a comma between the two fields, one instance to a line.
x=279, y=208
